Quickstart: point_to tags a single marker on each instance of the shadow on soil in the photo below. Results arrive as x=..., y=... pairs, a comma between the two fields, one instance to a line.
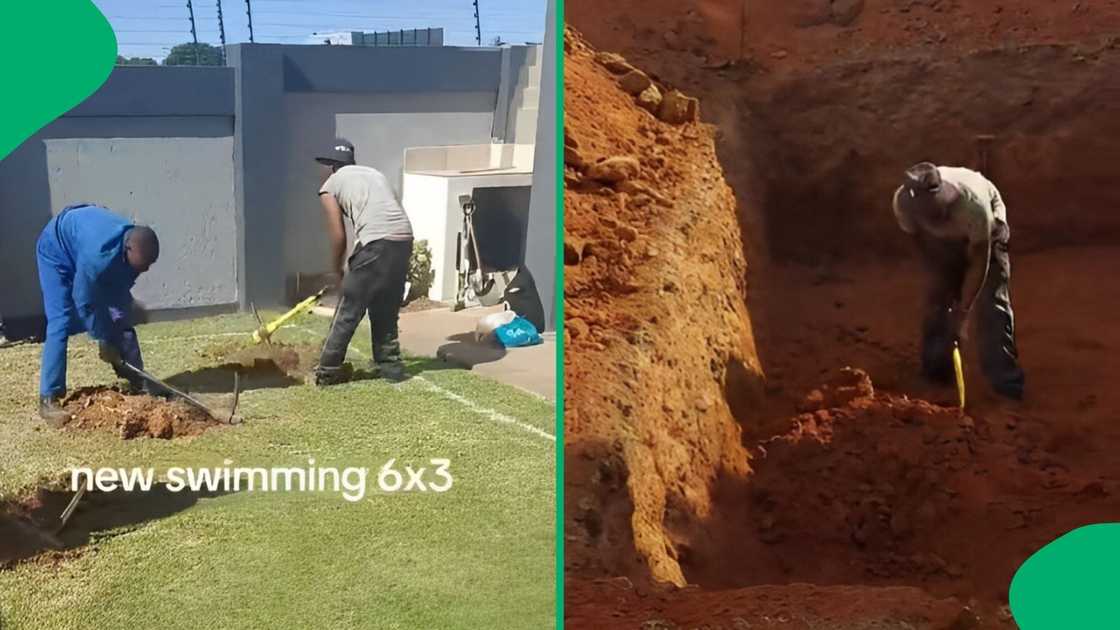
x=27, y=528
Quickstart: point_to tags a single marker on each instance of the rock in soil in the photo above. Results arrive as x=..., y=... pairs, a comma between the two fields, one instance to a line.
x=676, y=108
x=634, y=82
x=614, y=169
x=650, y=99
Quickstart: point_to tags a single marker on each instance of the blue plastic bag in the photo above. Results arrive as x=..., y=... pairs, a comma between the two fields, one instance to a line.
x=518, y=333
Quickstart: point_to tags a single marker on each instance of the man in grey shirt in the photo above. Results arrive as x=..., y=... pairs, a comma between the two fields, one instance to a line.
x=377, y=270
x=959, y=222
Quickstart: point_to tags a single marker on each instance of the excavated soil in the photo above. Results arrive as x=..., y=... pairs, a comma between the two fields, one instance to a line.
x=869, y=501
x=647, y=419
x=133, y=416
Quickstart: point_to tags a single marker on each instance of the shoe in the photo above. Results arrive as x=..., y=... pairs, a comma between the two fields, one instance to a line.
x=132, y=387
x=326, y=376
x=1014, y=392
x=52, y=412
x=392, y=372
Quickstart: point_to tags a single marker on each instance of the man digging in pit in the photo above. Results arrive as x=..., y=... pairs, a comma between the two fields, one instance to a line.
x=374, y=280
x=89, y=259
x=958, y=220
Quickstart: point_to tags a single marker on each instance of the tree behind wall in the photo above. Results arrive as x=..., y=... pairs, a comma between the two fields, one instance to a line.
x=194, y=55
x=135, y=61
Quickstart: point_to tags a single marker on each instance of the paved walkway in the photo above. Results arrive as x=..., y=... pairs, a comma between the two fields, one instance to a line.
x=448, y=335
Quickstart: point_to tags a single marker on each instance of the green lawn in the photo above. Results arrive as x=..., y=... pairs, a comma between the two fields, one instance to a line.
x=480, y=555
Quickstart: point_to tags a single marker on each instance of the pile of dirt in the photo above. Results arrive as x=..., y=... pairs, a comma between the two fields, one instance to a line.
x=861, y=488
x=661, y=356
x=132, y=416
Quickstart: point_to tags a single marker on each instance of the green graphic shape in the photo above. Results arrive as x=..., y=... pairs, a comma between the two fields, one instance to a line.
x=1074, y=582
x=55, y=55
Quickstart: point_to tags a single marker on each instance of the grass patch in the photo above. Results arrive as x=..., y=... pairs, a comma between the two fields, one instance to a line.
x=478, y=556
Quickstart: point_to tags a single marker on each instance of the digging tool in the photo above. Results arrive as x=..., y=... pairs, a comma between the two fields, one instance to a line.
x=69, y=511
x=958, y=369
x=265, y=331
x=186, y=397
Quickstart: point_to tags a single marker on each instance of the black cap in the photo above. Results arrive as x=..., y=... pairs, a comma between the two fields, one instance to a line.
x=341, y=151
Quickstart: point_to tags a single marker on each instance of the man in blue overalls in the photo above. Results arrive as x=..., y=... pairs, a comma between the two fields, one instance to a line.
x=88, y=259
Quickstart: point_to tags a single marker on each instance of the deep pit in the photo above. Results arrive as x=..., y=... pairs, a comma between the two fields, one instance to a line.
x=891, y=489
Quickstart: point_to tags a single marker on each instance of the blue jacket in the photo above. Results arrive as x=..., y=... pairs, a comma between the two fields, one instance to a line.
x=92, y=239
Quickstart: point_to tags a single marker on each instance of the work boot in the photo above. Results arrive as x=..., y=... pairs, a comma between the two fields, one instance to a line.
x=131, y=387
x=1014, y=391
x=326, y=376
x=392, y=372
x=51, y=411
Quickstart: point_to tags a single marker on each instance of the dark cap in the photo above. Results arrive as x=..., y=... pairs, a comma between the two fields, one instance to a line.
x=340, y=151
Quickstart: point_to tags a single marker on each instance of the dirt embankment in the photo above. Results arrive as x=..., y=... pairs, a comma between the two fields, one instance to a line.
x=656, y=327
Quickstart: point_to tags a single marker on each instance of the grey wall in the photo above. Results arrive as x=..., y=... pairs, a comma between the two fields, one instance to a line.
x=220, y=160
x=381, y=126
x=293, y=100
x=541, y=248
x=154, y=144
x=515, y=79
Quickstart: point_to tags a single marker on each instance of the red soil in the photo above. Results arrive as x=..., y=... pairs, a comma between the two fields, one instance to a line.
x=888, y=490
x=132, y=416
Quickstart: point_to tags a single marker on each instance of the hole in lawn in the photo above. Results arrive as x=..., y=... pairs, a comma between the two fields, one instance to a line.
x=27, y=526
x=260, y=374
x=132, y=416
x=261, y=366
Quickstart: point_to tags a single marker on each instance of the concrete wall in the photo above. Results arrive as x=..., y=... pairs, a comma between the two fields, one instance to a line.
x=181, y=187
x=515, y=118
x=155, y=144
x=293, y=100
x=220, y=160
x=381, y=128
x=541, y=248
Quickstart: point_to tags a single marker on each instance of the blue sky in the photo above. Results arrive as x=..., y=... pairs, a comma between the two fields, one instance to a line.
x=149, y=28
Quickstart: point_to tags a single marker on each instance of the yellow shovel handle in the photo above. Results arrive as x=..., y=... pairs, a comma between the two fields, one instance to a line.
x=959, y=369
